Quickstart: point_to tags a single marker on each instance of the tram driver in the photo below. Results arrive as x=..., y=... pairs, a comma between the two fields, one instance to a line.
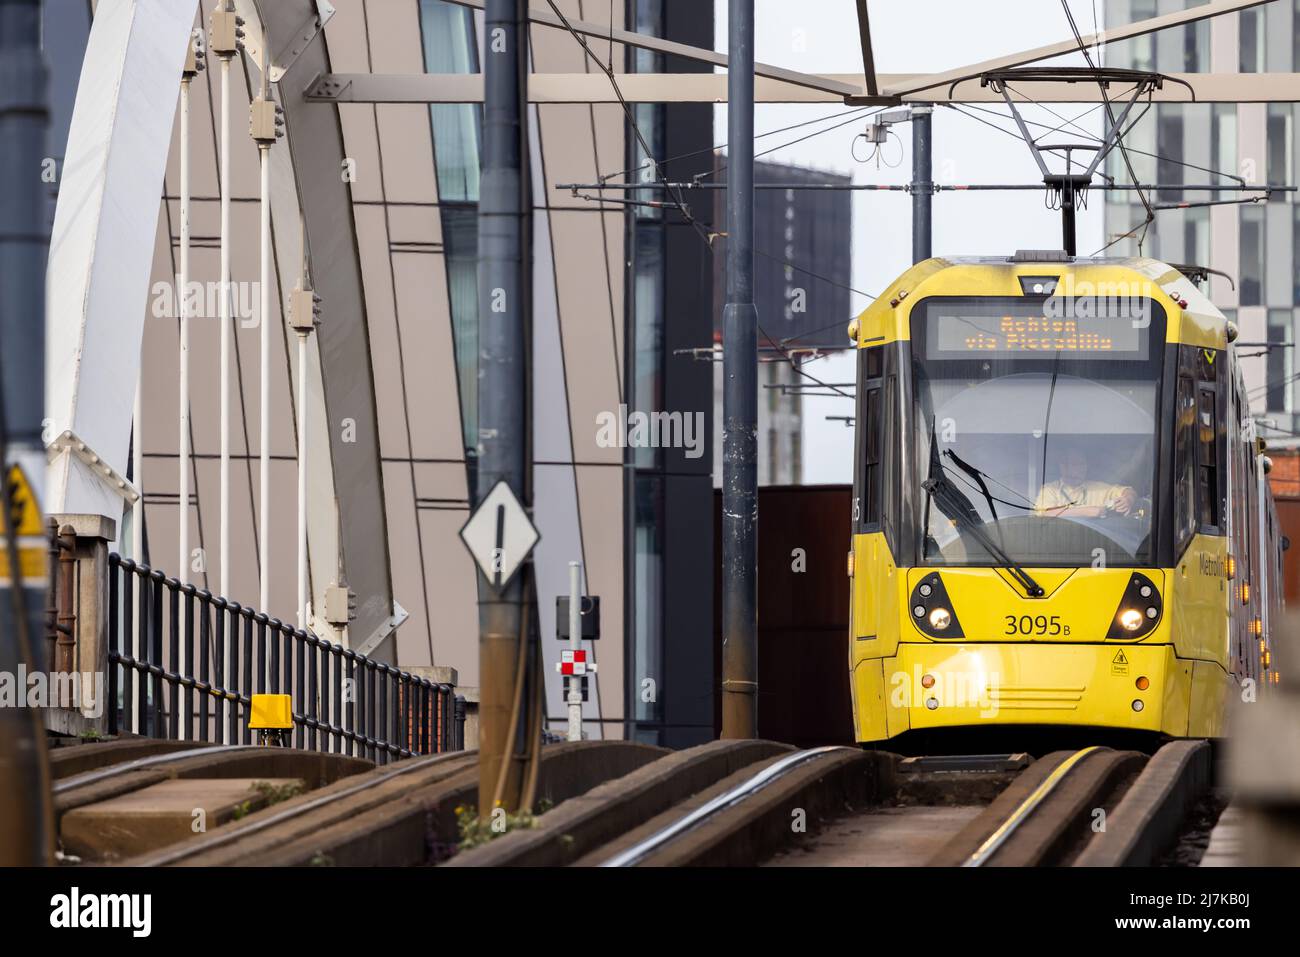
x=1075, y=494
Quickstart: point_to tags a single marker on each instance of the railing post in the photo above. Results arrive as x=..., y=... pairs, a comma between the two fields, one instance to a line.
x=83, y=608
x=438, y=714
x=65, y=642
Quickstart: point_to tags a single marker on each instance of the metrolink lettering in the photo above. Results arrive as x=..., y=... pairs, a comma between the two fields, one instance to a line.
x=1211, y=565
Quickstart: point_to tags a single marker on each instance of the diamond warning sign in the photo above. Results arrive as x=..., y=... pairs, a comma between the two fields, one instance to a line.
x=24, y=517
x=24, y=510
x=1119, y=664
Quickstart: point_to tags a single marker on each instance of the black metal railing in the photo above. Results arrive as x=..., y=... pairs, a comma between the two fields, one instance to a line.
x=184, y=663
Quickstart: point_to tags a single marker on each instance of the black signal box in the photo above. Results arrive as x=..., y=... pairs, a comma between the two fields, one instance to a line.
x=590, y=612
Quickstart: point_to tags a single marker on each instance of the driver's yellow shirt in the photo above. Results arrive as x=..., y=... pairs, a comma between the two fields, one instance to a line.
x=1058, y=494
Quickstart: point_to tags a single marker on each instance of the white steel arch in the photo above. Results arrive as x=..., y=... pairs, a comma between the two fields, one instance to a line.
x=99, y=271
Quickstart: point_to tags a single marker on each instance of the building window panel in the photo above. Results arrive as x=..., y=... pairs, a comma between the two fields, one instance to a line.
x=1196, y=236
x=449, y=47
x=1280, y=119
x=460, y=242
x=648, y=329
x=1295, y=252
x=1281, y=361
x=647, y=592
x=1250, y=37
x=1223, y=138
x=1252, y=256
x=1169, y=168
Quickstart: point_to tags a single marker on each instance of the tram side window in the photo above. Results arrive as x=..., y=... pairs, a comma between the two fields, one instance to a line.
x=871, y=439
x=889, y=466
x=1208, y=460
x=1184, y=461
x=871, y=491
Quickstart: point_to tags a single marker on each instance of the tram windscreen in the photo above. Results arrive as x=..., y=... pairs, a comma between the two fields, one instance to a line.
x=1035, y=430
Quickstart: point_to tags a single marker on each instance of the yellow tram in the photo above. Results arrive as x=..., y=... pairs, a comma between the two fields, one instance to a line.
x=1060, y=515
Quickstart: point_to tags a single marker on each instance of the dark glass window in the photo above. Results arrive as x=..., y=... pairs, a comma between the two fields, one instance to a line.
x=1295, y=252
x=1223, y=138
x=450, y=47
x=871, y=457
x=1280, y=364
x=1250, y=35
x=1207, y=430
x=647, y=571
x=1169, y=139
x=1196, y=236
x=648, y=329
x=1279, y=147
x=1037, y=431
x=1184, y=462
x=460, y=248
x=1252, y=256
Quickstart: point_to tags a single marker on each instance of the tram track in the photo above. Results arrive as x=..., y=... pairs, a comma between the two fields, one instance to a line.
x=618, y=804
x=1094, y=806
x=348, y=813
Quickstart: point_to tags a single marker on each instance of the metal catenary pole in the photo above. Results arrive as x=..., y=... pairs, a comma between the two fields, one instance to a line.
x=922, y=182
x=26, y=816
x=502, y=405
x=740, y=394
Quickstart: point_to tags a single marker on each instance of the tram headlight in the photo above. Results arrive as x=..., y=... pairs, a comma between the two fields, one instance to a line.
x=932, y=609
x=1131, y=619
x=1139, y=609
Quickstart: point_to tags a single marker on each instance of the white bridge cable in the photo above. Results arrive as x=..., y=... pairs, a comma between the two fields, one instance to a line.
x=224, y=322
x=264, y=369
x=183, y=358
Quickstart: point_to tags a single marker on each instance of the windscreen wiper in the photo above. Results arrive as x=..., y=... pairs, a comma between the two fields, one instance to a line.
x=957, y=507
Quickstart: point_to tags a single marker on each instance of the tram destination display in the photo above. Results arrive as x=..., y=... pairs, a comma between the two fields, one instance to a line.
x=1001, y=330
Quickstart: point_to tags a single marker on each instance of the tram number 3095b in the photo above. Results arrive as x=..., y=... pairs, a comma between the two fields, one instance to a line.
x=1035, y=625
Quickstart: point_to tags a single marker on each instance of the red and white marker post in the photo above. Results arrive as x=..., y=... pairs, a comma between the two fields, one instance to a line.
x=573, y=660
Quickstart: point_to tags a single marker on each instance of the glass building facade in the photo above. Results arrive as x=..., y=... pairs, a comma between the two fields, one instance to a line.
x=450, y=47
x=1256, y=244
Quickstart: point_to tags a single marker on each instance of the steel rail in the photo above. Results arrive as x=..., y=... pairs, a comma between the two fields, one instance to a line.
x=90, y=777
x=220, y=838
x=1027, y=807
x=773, y=772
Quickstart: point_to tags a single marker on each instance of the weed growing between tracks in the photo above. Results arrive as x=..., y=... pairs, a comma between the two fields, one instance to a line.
x=476, y=831
x=271, y=794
